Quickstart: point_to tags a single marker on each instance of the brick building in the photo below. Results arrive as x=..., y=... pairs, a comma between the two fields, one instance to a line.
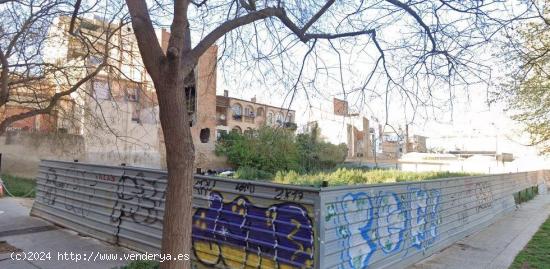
x=243, y=116
x=117, y=111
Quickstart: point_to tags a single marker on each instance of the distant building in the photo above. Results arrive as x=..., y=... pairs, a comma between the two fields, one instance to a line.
x=244, y=116
x=28, y=98
x=119, y=119
x=417, y=143
x=360, y=146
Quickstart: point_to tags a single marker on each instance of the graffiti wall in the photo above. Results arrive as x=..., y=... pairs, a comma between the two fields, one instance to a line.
x=383, y=222
x=236, y=224
x=393, y=225
x=246, y=224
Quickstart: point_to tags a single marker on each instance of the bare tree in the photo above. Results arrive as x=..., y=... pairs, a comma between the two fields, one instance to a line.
x=414, y=46
x=39, y=77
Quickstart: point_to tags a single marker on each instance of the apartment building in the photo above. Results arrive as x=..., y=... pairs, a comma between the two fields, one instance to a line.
x=30, y=97
x=117, y=111
x=244, y=116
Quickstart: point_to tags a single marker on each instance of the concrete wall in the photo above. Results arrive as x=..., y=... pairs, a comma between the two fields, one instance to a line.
x=22, y=151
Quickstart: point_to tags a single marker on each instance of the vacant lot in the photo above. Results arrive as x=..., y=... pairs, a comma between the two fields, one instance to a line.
x=345, y=176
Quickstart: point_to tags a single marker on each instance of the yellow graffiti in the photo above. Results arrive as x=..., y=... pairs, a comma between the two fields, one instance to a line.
x=240, y=207
x=290, y=237
x=207, y=252
x=234, y=257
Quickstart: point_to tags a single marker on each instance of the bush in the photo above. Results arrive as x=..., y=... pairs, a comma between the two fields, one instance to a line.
x=316, y=155
x=277, y=149
x=345, y=176
x=247, y=172
x=267, y=149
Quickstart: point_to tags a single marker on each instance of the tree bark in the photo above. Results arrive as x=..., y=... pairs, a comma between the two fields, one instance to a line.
x=168, y=72
x=180, y=158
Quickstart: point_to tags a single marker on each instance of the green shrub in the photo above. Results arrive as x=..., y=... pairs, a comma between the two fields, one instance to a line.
x=247, y=172
x=345, y=176
x=315, y=154
x=274, y=149
x=267, y=149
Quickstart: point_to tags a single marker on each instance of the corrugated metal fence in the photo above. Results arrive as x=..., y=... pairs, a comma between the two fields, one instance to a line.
x=240, y=224
x=235, y=222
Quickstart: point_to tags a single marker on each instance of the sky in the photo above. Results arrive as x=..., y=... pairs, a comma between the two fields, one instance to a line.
x=454, y=126
x=471, y=124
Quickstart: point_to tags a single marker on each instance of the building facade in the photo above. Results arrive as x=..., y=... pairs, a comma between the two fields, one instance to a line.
x=244, y=116
x=117, y=111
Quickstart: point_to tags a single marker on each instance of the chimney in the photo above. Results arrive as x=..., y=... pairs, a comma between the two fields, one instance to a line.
x=253, y=99
x=226, y=93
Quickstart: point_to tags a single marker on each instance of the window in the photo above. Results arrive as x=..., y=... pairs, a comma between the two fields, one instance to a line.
x=101, y=90
x=220, y=134
x=191, y=97
x=269, y=118
x=249, y=132
x=260, y=112
x=280, y=118
x=132, y=94
x=249, y=111
x=95, y=60
x=237, y=111
x=205, y=135
x=290, y=117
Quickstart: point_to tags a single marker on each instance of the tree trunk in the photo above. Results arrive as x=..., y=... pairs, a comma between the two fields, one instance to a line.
x=180, y=156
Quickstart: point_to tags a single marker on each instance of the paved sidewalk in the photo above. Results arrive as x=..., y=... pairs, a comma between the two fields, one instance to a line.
x=28, y=234
x=497, y=245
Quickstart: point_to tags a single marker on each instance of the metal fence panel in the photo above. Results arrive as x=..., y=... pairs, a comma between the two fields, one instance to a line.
x=242, y=224
x=395, y=225
x=235, y=223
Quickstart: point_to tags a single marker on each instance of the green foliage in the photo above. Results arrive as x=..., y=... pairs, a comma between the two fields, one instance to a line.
x=142, y=265
x=527, y=94
x=526, y=195
x=537, y=252
x=20, y=186
x=344, y=176
x=277, y=149
x=247, y=172
x=316, y=154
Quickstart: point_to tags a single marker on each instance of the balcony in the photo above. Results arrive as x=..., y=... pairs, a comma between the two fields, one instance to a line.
x=237, y=117
x=249, y=119
x=290, y=125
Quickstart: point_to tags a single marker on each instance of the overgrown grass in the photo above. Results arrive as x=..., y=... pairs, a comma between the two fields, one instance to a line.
x=141, y=265
x=344, y=176
x=19, y=186
x=536, y=253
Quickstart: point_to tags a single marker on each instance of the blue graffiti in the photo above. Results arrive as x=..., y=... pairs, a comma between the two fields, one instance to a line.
x=424, y=216
x=239, y=234
x=387, y=221
x=391, y=219
x=354, y=224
